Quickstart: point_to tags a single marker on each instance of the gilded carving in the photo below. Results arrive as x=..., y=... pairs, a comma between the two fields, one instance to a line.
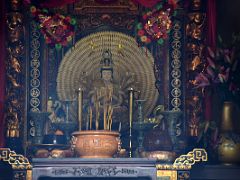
x=92, y=14
x=17, y=161
x=194, y=31
x=172, y=167
x=15, y=26
x=92, y=6
x=169, y=174
x=15, y=64
x=15, y=50
x=195, y=27
x=13, y=80
x=192, y=157
x=114, y=20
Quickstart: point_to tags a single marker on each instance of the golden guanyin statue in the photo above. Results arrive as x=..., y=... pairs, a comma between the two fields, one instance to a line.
x=84, y=67
x=105, y=97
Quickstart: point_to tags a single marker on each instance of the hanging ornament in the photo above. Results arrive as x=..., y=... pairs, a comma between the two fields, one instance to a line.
x=58, y=30
x=155, y=24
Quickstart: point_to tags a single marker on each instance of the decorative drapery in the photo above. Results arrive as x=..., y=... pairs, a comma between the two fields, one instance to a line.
x=211, y=41
x=211, y=23
x=2, y=71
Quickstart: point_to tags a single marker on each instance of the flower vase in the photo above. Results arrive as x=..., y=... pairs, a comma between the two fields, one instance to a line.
x=229, y=142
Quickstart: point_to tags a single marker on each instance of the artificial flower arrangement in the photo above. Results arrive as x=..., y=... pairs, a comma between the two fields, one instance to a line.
x=219, y=75
x=58, y=30
x=220, y=72
x=156, y=23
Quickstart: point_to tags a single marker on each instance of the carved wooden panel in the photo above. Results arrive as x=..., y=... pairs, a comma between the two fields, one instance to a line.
x=94, y=6
x=196, y=22
x=15, y=79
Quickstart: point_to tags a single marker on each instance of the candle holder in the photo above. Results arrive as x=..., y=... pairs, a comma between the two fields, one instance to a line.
x=39, y=119
x=142, y=128
x=174, y=124
x=139, y=126
x=67, y=126
x=130, y=116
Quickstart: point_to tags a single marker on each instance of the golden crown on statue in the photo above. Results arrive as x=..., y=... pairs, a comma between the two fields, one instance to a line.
x=106, y=61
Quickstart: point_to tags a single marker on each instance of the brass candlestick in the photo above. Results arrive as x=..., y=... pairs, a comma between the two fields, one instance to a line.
x=80, y=105
x=131, y=94
x=140, y=122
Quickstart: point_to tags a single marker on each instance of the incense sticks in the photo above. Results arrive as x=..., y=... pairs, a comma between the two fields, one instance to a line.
x=102, y=103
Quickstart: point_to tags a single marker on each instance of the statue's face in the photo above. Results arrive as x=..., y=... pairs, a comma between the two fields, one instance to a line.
x=107, y=75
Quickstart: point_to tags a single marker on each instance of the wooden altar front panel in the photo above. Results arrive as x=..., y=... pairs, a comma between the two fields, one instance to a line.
x=107, y=168
x=217, y=171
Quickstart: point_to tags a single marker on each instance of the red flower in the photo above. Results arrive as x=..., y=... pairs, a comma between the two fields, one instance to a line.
x=145, y=16
x=141, y=32
x=148, y=40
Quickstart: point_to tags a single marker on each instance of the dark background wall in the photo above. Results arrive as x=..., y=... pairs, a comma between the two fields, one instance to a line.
x=228, y=18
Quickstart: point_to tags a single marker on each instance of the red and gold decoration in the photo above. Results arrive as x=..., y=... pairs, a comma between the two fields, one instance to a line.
x=22, y=169
x=14, y=100
x=194, y=53
x=58, y=30
x=156, y=23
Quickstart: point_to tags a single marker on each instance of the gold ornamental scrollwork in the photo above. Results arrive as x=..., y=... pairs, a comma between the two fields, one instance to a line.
x=185, y=162
x=196, y=155
x=17, y=161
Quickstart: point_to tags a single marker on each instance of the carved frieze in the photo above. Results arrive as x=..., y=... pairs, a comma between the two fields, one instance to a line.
x=108, y=171
x=123, y=21
x=94, y=6
x=14, y=70
x=195, y=44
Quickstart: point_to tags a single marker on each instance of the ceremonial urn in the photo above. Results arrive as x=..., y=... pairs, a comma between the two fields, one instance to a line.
x=172, y=119
x=229, y=142
x=96, y=143
x=158, y=144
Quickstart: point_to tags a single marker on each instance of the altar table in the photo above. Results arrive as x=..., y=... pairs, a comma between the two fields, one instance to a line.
x=81, y=168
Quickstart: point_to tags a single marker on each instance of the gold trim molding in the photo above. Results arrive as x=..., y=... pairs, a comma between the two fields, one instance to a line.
x=173, y=167
x=17, y=161
x=185, y=162
x=196, y=155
